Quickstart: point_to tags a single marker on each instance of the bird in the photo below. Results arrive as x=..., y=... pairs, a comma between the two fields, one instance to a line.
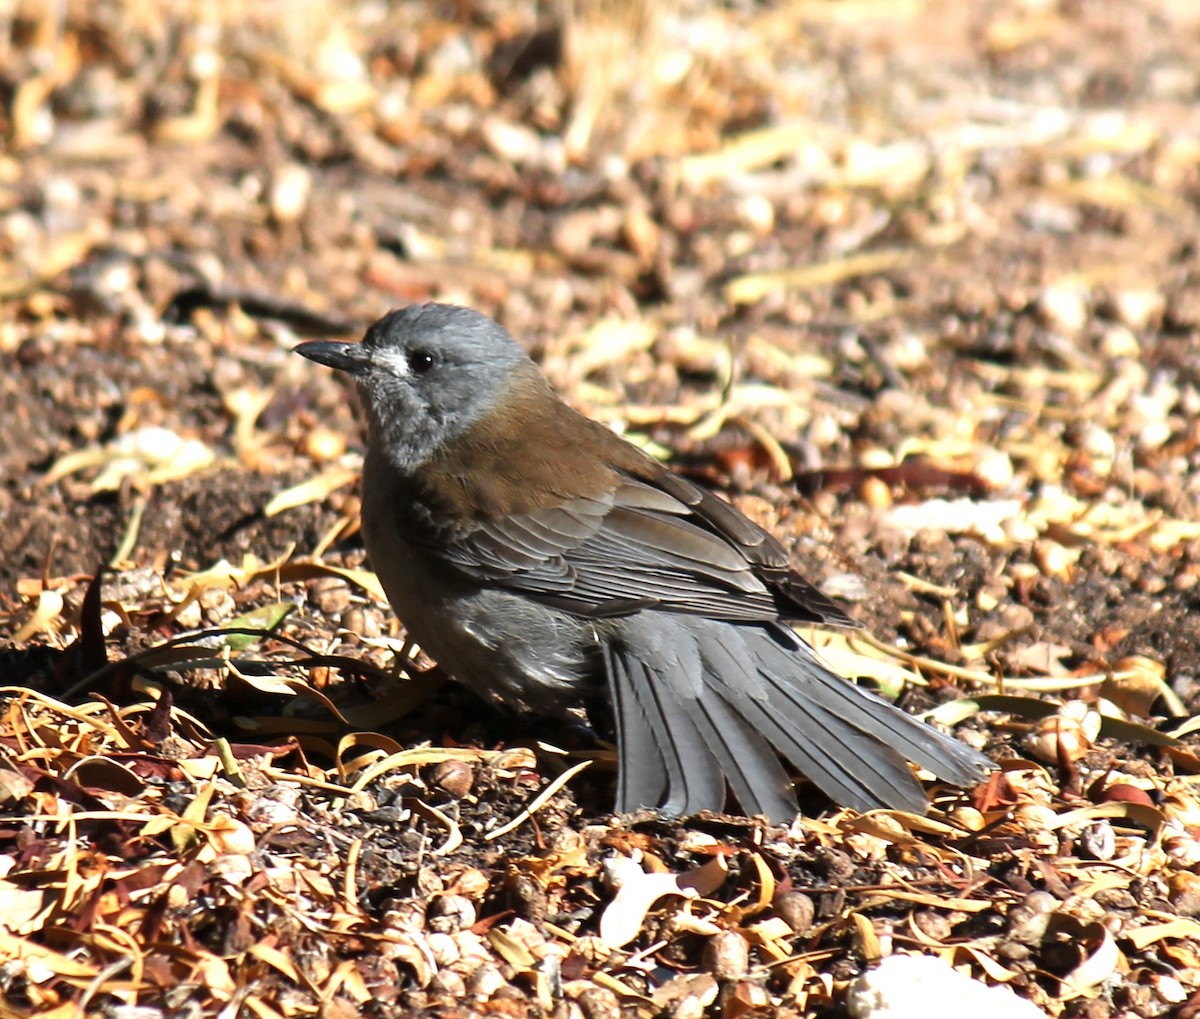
x=549, y=564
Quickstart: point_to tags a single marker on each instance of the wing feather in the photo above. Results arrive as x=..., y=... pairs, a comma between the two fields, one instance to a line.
x=637, y=548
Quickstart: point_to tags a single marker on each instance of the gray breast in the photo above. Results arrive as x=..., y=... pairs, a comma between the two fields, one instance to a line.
x=502, y=644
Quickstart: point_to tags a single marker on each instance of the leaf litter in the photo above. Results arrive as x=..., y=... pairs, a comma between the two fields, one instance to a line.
x=912, y=283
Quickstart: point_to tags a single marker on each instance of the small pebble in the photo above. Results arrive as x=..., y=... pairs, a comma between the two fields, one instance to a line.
x=1119, y=341
x=757, y=213
x=324, y=444
x=1098, y=840
x=288, y=196
x=995, y=469
x=1138, y=308
x=727, y=956
x=796, y=909
x=1062, y=306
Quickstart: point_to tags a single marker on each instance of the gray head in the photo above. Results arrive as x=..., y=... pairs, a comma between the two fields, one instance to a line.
x=426, y=373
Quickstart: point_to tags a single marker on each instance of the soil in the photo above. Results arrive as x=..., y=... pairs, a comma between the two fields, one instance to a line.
x=873, y=271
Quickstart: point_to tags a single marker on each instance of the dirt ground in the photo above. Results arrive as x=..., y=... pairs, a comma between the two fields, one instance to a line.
x=913, y=282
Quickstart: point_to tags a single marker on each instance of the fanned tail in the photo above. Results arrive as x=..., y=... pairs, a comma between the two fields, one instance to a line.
x=699, y=703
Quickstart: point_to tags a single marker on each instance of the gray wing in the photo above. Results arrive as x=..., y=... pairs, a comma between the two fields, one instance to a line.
x=640, y=547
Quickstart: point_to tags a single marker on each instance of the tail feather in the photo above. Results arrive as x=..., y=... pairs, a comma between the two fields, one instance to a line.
x=646, y=782
x=699, y=703
x=948, y=758
x=745, y=756
x=849, y=767
x=694, y=777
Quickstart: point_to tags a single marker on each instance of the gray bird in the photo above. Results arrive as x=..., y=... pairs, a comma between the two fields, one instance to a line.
x=540, y=559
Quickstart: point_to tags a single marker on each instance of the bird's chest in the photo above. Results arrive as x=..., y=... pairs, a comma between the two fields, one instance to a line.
x=502, y=644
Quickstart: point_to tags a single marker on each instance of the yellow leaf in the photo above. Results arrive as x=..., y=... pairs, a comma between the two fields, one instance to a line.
x=313, y=490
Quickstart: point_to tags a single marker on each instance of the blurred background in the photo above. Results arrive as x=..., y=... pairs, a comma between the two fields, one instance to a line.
x=876, y=252
x=914, y=282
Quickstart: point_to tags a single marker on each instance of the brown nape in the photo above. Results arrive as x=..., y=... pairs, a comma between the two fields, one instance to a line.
x=518, y=459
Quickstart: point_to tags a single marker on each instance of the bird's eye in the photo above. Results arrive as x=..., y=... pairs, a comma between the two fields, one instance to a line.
x=420, y=361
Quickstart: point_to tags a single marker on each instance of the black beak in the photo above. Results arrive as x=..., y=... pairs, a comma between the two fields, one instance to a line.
x=352, y=358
